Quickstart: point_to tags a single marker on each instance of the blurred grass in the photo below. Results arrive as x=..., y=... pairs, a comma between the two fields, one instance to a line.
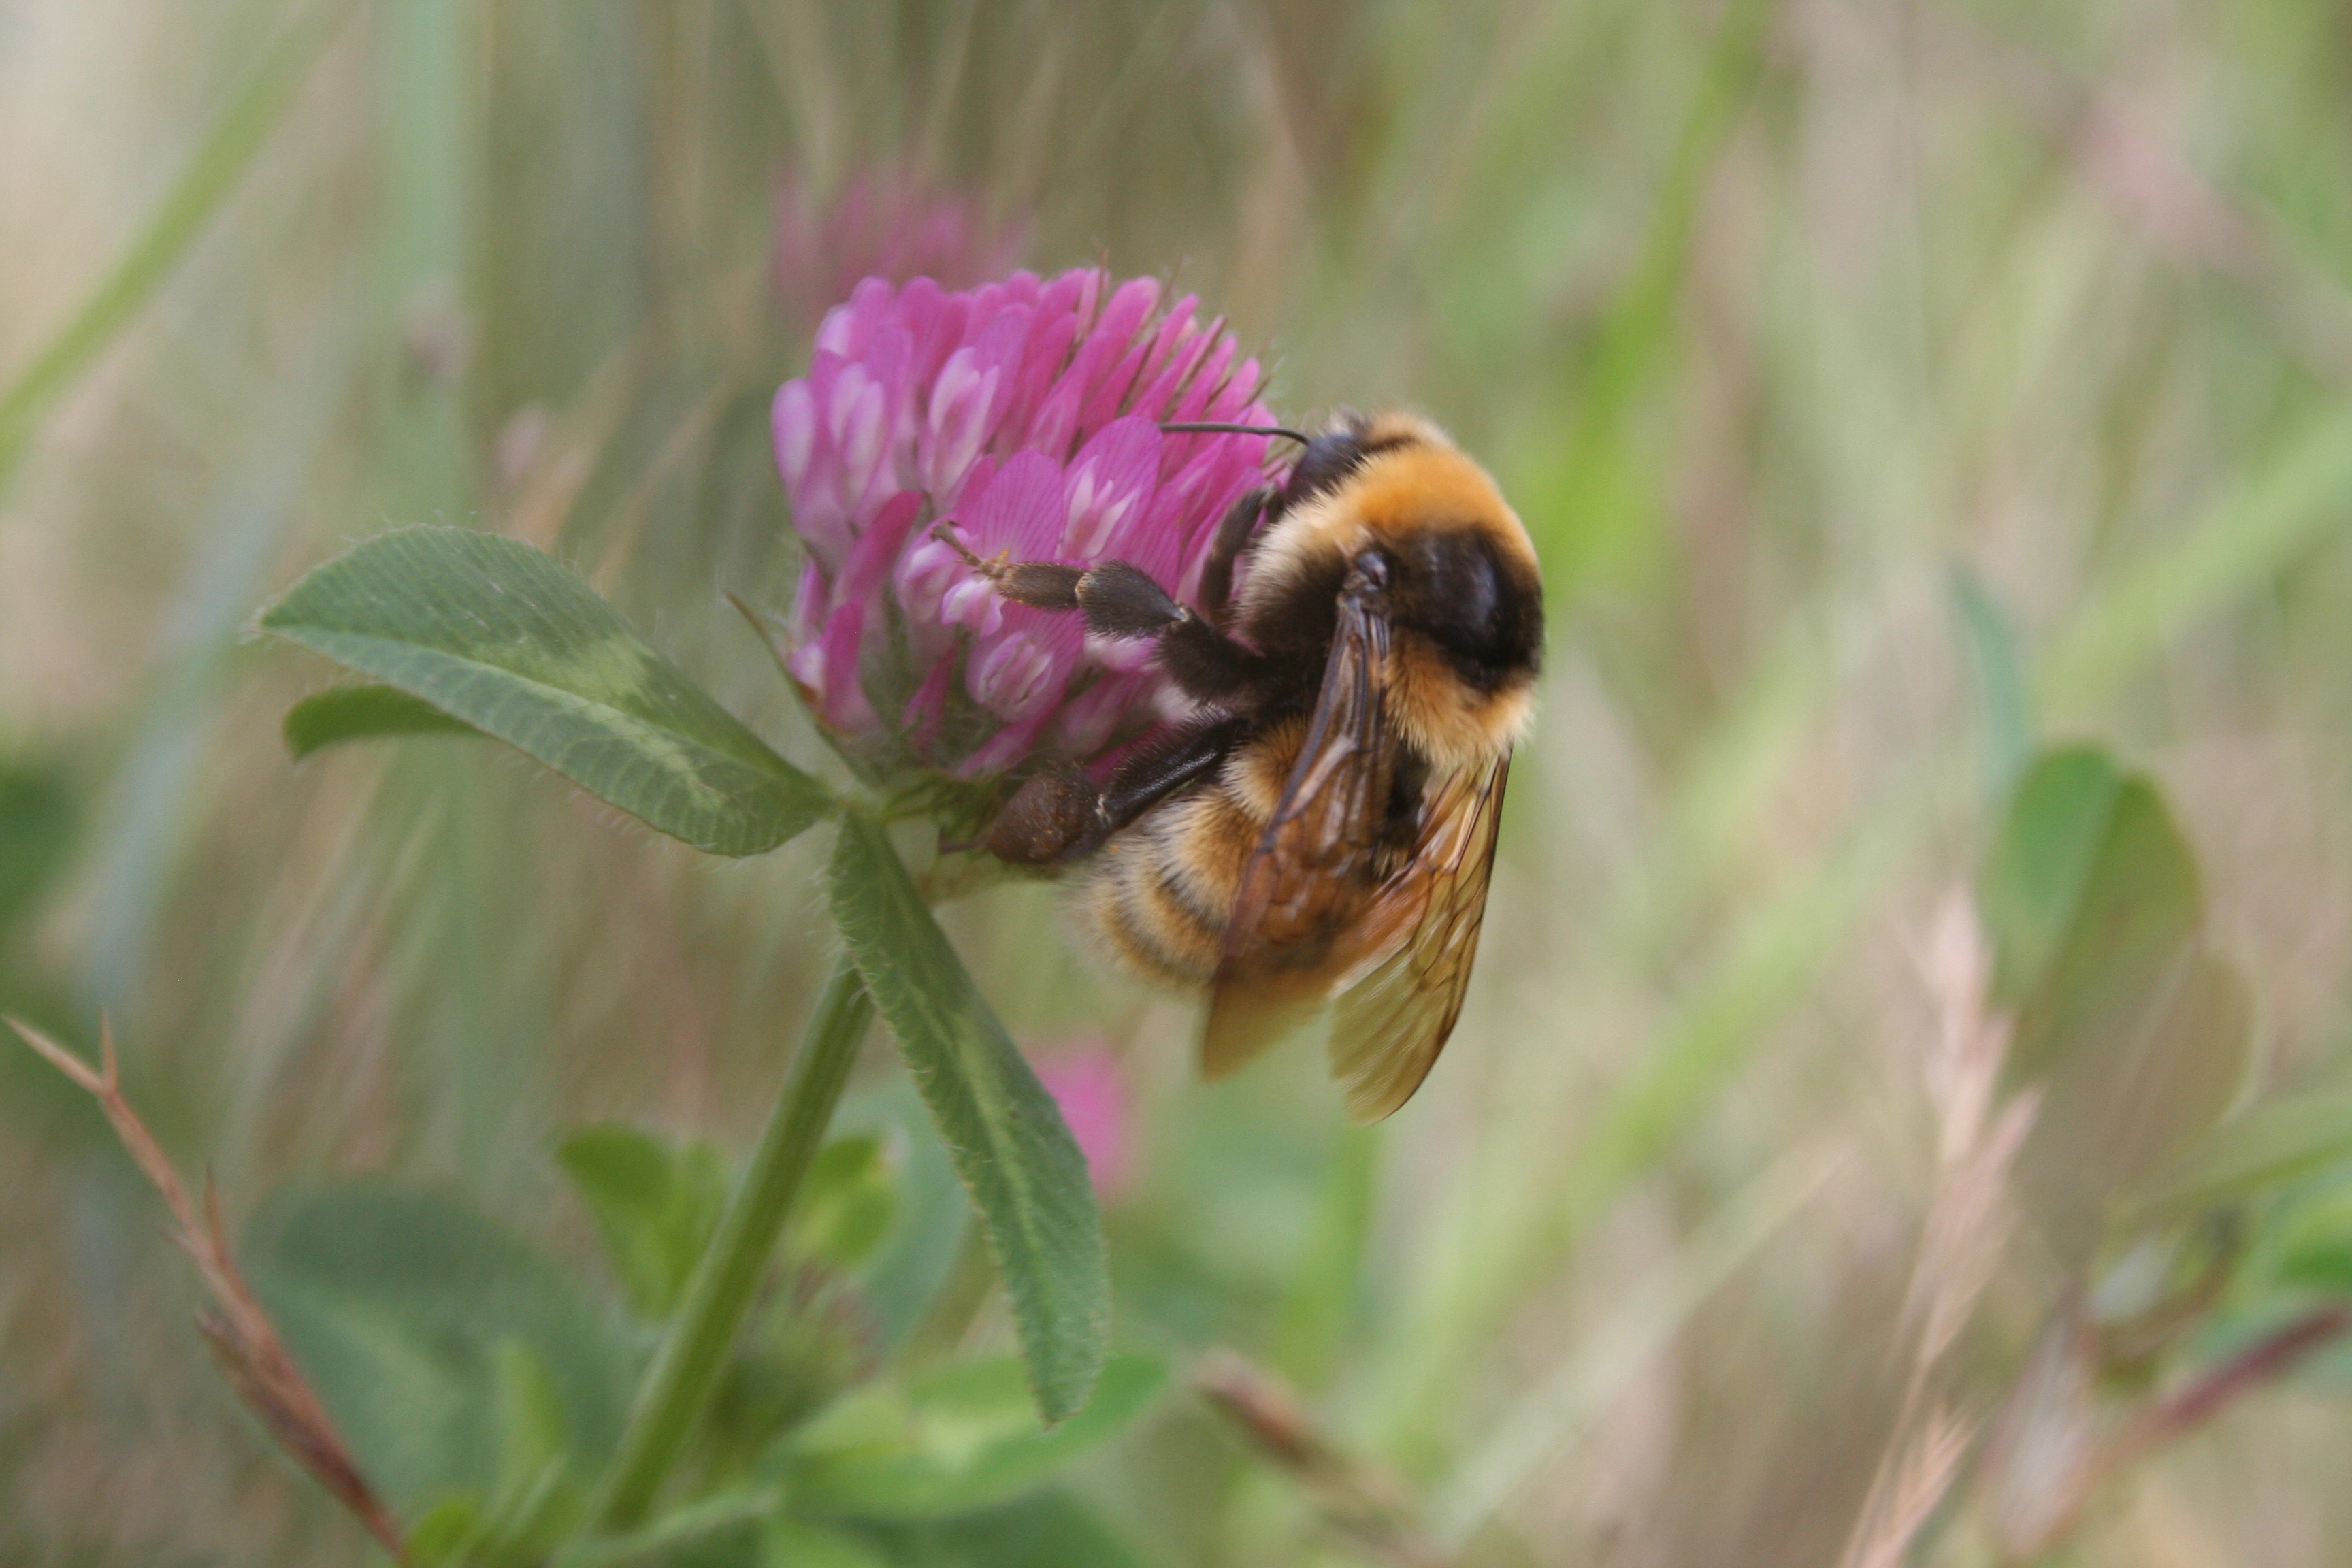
x=1770, y=317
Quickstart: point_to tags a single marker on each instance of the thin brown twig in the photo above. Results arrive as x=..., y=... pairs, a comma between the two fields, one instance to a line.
x=1353, y=1499
x=2204, y=1396
x=2067, y=1463
x=243, y=1340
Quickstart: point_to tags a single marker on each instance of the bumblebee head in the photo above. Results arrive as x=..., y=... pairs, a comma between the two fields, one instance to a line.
x=1452, y=569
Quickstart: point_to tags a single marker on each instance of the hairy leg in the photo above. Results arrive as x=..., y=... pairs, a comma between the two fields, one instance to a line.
x=1119, y=600
x=1060, y=812
x=1234, y=535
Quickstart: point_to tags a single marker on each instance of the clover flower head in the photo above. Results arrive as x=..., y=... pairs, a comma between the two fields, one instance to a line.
x=1021, y=419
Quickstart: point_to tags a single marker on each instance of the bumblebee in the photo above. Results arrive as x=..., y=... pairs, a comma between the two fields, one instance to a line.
x=1324, y=826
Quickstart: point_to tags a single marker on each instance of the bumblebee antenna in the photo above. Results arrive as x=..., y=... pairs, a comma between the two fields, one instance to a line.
x=1218, y=430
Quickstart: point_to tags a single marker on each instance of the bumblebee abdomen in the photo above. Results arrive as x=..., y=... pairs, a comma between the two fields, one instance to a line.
x=1160, y=893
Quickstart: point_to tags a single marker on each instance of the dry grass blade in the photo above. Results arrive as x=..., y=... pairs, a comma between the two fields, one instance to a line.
x=1969, y=1218
x=1922, y=1473
x=1357, y=1501
x=243, y=1341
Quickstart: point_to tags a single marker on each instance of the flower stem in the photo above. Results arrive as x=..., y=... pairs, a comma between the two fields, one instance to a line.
x=678, y=1384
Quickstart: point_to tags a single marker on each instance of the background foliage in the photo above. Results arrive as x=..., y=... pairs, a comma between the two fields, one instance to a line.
x=1894, y=387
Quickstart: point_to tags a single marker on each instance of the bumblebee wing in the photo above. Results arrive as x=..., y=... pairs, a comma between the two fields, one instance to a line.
x=1389, y=1028
x=1297, y=928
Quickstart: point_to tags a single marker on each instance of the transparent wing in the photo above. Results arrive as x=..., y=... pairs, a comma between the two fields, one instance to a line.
x=1388, y=1029
x=1298, y=926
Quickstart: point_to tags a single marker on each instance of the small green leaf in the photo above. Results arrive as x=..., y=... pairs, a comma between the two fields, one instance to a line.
x=397, y=1303
x=2312, y=1246
x=2032, y=883
x=656, y=1206
x=846, y=1204
x=364, y=712
x=495, y=634
x=928, y=1210
x=1011, y=1148
x=964, y=1437
x=444, y=1534
x=2137, y=1035
x=530, y=1419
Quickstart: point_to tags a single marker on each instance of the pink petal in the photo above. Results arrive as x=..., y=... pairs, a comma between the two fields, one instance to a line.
x=1121, y=356
x=1234, y=399
x=1108, y=485
x=1011, y=745
x=793, y=417
x=855, y=417
x=877, y=549
x=973, y=602
x=1208, y=379
x=1053, y=328
x=828, y=668
x=1021, y=513
x=928, y=707
x=1086, y=723
x=1159, y=373
x=1022, y=671
x=810, y=604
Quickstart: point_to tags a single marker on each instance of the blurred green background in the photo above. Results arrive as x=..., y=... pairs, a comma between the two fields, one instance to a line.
x=1890, y=385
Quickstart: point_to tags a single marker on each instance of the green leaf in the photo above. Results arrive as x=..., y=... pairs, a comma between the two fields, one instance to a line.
x=495, y=634
x=2137, y=1035
x=1012, y=1149
x=845, y=1205
x=656, y=1206
x=364, y=712
x=396, y=1305
x=961, y=1438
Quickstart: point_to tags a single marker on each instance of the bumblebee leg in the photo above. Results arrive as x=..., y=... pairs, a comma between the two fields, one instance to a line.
x=1053, y=814
x=1120, y=600
x=1059, y=814
x=1155, y=773
x=1234, y=535
x=1040, y=585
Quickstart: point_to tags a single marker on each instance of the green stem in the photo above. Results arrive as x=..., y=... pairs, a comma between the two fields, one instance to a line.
x=678, y=1384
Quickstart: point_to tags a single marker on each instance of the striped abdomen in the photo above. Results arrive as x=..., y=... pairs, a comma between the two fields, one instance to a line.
x=1160, y=892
